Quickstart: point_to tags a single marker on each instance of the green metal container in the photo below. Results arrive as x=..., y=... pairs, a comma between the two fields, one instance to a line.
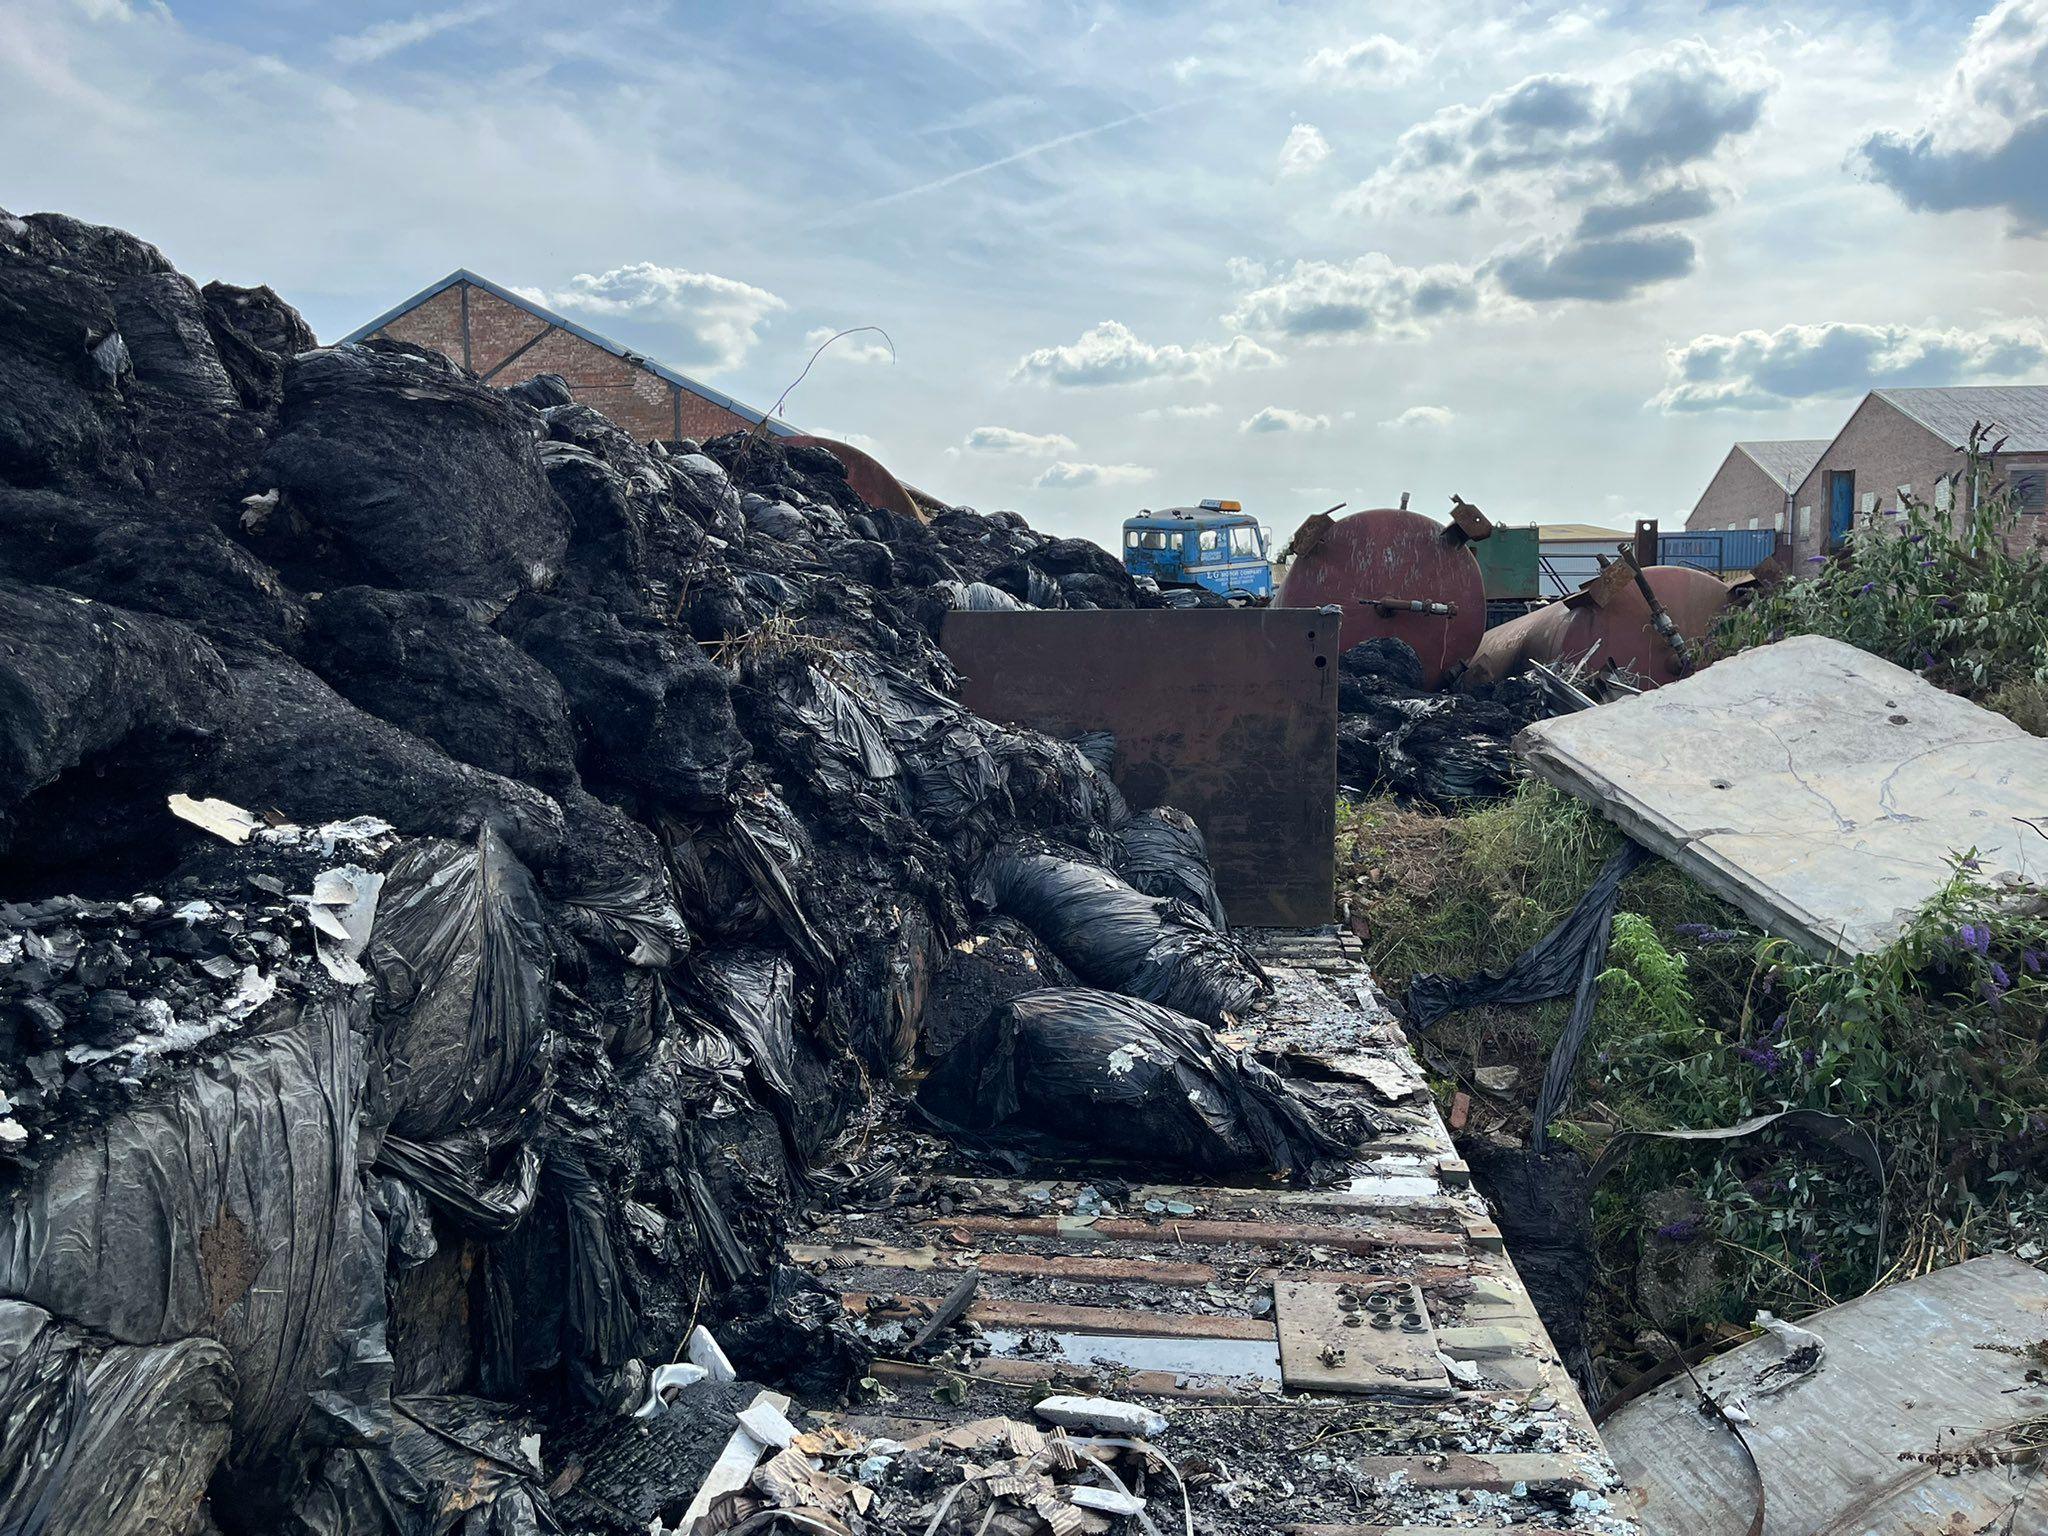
x=1507, y=561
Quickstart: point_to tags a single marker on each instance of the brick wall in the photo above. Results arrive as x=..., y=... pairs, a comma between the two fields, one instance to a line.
x=506, y=345
x=1741, y=490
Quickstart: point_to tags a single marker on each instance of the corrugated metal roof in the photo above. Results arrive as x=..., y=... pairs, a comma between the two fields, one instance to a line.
x=2020, y=411
x=582, y=333
x=1786, y=460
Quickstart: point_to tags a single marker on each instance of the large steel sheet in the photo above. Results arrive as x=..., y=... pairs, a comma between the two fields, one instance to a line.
x=1229, y=714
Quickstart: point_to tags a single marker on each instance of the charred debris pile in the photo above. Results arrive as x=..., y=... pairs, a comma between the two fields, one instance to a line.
x=460, y=870
x=1443, y=747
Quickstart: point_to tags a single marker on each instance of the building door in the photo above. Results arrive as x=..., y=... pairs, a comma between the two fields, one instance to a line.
x=1841, y=505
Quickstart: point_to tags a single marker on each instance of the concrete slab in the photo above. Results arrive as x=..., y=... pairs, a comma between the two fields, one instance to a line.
x=1819, y=789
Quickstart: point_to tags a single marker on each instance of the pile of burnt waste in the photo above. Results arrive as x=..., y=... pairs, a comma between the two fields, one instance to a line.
x=1443, y=747
x=460, y=871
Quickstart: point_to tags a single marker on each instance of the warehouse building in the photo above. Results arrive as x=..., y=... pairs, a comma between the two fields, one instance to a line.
x=1754, y=487
x=504, y=338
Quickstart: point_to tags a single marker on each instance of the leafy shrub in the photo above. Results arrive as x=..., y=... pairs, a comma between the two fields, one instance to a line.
x=1946, y=600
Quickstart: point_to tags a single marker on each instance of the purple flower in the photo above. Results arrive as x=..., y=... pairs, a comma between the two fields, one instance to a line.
x=1975, y=936
x=1808, y=1056
x=1681, y=1231
x=1866, y=589
x=1766, y=1059
x=1916, y=538
x=1990, y=990
x=1926, y=660
x=1999, y=976
x=1946, y=603
x=1816, y=559
x=2031, y=959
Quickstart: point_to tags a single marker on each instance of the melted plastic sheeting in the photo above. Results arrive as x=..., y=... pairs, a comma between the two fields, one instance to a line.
x=452, y=1464
x=1569, y=958
x=233, y=1208
x=1160, y=950
x=1124, y=1077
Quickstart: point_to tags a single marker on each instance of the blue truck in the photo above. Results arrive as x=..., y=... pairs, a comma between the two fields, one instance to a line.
x=1215, y=545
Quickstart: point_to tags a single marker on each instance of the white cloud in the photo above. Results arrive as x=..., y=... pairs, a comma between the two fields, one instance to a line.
x=1036, y=445
x=1067, y=476
x=1110, y=353
x=1280, y=418
x=1761, y=370
x=1305, y=149
x=1321, y=301
x=1378, y=60
x=1984, y=142
x=389, y=37
x=1422, y=418
x=1180, y=412
x=860, y=347
x=716, y=319
x=1572, y=137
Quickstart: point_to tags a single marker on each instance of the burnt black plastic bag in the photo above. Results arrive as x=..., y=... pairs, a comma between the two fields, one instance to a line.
x=462, y=962
x=1126, y=1078
x=1162, y=853
x=1112, y=936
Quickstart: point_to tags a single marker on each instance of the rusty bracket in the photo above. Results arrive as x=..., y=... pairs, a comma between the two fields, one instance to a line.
x=1313, y=530
x=1467, y=525
x=1602, y=589
x=1386, y=605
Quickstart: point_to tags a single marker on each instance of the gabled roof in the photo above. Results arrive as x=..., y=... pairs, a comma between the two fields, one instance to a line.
x=1786, y=460
x=582, y=333
x=2019, y=411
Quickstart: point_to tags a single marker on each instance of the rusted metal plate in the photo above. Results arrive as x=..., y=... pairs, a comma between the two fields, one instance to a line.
x=1229, y=714
x=1368, y=1339
x=1401, y=557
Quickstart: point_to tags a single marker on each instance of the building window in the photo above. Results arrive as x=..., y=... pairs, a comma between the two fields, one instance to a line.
x=1752, y=525
x=1805, y=521
x=2029, y=489
x=1778, y=522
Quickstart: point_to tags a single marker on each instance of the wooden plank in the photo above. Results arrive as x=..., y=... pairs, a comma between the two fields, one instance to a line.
x=1489, y=1474
x=1038, y=1374
x=1111, y=1320
x=1411, y=1530
x=1086, y=1270
x=1349, y=1238
x=1407, y=1201
x=1331, y=1341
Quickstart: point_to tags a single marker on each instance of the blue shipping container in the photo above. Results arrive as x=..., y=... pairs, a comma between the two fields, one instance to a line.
x=1721, y=550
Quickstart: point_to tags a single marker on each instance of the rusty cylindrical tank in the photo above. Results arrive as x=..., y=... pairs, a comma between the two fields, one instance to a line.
x=1369, y=562
x=1619, y=633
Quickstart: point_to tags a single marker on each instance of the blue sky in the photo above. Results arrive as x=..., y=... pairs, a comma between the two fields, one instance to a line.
x=1554, y=258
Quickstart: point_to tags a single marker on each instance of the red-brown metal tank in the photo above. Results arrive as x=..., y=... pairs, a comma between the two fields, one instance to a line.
x=1400, y=557
x=1619, y=633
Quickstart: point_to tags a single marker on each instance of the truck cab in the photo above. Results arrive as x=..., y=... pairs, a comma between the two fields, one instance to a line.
x=1215, y=545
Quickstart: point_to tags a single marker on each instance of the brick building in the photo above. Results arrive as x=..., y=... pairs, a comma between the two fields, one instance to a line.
x=504, y=339
x=1754, y=486
x=1913, y=439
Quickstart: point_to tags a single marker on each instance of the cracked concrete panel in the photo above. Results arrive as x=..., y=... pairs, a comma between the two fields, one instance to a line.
x=1821, y=790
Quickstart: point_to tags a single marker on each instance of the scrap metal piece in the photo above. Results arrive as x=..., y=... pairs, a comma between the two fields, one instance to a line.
x=1367, y=1339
